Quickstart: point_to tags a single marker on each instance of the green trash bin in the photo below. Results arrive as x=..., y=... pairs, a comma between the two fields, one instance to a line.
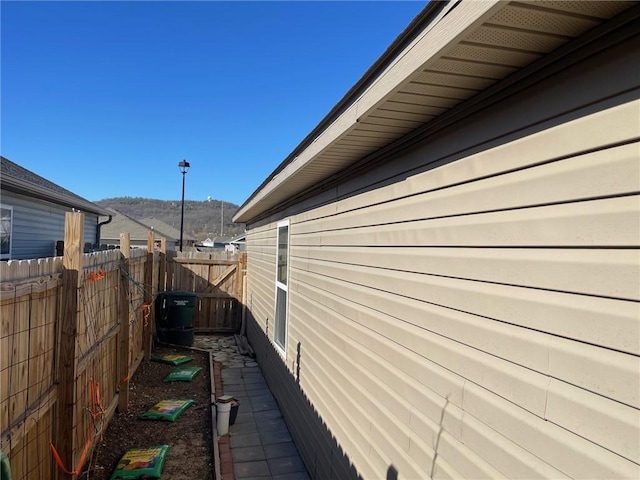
x=175, y=314
x=5, y=468
x=176, y=309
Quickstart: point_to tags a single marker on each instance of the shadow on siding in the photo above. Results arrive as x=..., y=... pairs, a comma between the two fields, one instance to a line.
x=322, y=455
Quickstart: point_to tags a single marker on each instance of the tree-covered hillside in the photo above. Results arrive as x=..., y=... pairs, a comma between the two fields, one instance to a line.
x=201, y=219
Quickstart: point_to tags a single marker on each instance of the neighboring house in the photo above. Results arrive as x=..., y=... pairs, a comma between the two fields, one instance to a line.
x=33, y=211
x=217, y=243
x=228, y=244
x=168, y=231
x=443, y=277
x=138, y=231
x=237, y=244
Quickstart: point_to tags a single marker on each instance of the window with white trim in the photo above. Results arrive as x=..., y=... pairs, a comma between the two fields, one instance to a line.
x=6, y=220
x=282, y=286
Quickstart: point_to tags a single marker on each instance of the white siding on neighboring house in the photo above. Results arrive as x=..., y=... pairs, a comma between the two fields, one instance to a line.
x=37, y=226
x=470, y=309
x=6, y=220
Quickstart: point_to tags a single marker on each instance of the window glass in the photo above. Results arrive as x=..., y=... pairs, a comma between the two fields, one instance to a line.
x=283, y=253
x=281, y=317
x=282, y=290
x=6, y=214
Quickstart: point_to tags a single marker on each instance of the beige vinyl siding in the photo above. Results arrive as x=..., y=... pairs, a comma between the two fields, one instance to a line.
x=508, y=346
x=584, y=177
x=261, y=271
x=471, y=308
x=532, y=349
x=504, y=340
x=445, y=357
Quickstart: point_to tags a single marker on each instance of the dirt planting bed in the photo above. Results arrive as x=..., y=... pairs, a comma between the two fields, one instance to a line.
x=190, y=437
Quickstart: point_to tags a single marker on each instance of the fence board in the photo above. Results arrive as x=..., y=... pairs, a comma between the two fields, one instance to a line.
x=217, y=280
x=124, y=314
x=31, y=331
x=30, y=334
x=28, y=315
x=71, y=281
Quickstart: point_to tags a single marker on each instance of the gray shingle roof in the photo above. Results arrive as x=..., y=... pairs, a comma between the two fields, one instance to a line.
x=161, y=226
x=18, y=179
x=137, y=229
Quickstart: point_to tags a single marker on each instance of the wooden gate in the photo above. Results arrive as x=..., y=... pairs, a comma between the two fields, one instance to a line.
x=218, y=282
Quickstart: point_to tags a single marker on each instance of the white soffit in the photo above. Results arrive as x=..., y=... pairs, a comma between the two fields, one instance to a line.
x=469, y=46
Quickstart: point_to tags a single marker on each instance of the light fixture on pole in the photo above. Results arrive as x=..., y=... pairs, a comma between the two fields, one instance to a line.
x=184, y=168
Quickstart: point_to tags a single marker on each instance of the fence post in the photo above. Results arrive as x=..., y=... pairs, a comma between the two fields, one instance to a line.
x=67, y=355
x=242, y=265
x=163, y=265
x=148, y=298
x=125, y=323
x=171, y=269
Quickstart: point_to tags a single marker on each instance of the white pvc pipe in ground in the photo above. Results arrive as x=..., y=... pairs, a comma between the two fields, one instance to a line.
x=223, y=410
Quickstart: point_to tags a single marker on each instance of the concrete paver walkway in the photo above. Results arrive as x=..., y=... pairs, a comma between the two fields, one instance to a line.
x=261, y=445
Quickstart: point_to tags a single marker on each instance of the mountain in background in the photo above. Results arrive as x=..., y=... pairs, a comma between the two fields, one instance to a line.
x=201, y=219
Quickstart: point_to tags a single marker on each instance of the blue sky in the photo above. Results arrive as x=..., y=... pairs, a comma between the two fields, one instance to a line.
x=106, y=98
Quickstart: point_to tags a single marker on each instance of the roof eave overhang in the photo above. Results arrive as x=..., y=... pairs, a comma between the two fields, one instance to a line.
x=21, y=187
x=344, y=113
x=453, y=33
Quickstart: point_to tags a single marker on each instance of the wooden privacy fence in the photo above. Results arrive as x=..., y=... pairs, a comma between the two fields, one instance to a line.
x=74, y=330
x=218, y=280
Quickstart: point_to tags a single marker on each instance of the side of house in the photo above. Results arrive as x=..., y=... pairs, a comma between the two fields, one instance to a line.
x=32, y=214
x=458, y=295
x=167, y=231
x=138, y=231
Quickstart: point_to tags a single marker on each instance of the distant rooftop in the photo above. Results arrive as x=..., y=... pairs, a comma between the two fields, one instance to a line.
x=138, y=229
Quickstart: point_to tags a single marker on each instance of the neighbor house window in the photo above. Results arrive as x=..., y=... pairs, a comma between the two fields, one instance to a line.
x=6, y=217
x=282, y=286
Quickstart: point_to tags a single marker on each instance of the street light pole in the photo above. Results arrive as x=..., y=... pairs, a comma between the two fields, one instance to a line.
x=184, y=168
